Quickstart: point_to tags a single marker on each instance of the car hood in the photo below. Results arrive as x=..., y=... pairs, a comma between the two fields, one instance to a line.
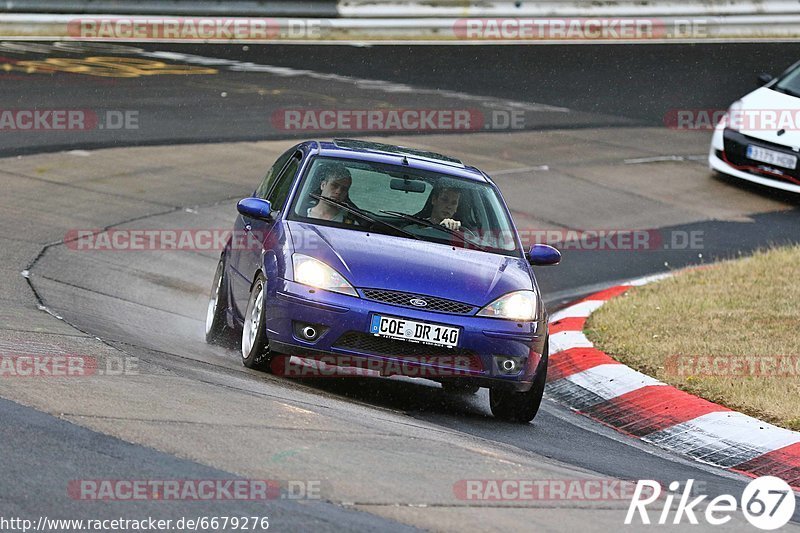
x=372, y=260
x=765, y=99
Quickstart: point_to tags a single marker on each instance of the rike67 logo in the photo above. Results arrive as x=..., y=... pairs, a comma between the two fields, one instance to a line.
x=767, y=503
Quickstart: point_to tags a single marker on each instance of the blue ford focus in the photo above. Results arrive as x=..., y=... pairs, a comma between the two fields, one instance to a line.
x=352, y=251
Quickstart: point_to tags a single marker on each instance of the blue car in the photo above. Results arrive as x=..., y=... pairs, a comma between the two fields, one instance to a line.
x=387, y=258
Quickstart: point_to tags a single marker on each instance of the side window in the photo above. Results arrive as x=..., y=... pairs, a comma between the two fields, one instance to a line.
x=284, y=183
x=267, y=182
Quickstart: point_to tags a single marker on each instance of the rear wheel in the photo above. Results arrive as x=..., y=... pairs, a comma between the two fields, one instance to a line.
x=217, y=330
x=255, y=344
x=520, y=406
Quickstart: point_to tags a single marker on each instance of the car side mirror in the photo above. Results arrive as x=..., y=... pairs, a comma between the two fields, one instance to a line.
x=255, y=208
x=765, y=78
x=543, y=255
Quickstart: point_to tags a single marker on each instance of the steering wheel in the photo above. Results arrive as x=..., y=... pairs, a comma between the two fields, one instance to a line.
x=470, y=234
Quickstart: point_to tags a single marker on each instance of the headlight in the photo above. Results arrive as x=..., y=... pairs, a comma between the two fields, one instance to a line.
x=735, y=116
x=520, y=305
x=310, y=271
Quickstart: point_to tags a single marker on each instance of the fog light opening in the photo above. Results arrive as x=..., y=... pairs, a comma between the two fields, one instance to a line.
x=508, y=365
x=309, y=333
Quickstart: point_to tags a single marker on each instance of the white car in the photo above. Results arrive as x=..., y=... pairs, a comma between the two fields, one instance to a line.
x=759, y=138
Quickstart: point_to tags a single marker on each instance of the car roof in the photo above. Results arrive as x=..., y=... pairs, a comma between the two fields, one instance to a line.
x=396, y=155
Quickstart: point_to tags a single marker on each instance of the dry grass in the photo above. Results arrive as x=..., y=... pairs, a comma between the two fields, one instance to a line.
x=746, y=307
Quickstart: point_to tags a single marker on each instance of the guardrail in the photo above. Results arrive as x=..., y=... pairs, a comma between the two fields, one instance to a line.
x=438, y=21
x=240, y=8
x=564, y=8
x=409, y=8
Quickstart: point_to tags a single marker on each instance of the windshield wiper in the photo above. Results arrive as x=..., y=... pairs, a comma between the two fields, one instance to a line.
x=363, y=214
x=430, y=224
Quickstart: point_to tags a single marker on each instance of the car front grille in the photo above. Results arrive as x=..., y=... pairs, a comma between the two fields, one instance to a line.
x=736, y=154
x=370, y=344
x=403, y=299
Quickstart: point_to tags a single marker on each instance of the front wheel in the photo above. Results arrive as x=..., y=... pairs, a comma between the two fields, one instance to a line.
x=255, y=344
x=217, y=330
x=520, y=406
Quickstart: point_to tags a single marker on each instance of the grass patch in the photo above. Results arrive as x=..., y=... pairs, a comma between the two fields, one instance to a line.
x=745, y=310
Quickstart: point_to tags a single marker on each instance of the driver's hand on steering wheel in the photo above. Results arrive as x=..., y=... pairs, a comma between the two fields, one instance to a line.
x=449, y=223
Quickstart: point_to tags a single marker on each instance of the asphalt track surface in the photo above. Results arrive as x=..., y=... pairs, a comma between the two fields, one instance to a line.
x=604, y=86
x=151, y=305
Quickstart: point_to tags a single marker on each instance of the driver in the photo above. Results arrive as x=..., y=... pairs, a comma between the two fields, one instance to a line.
x=444, y=202
x=335, y=184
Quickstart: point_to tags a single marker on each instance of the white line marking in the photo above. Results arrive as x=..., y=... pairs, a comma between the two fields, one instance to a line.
x=663, y=158
x=722, y=429
x=519, y=170
x=361, y=83
x=564, y=340
x=612, y=380
x=579, y=310
x=648, y=279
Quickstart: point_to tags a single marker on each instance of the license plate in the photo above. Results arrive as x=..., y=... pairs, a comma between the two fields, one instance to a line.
x=771, y=157
x=413, y=331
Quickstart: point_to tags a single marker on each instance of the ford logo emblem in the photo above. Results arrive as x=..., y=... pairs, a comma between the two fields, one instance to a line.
x=417, y=302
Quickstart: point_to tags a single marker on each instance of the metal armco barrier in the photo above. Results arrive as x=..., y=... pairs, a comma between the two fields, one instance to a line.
x=242, y=8
x=565, y=8
x=376, y=21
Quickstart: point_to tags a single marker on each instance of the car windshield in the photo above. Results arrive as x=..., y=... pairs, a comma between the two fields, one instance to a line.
x=789, y=83
x=410, y=203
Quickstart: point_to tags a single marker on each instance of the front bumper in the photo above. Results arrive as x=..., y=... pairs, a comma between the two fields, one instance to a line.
x=727, y=155
x=343, y=322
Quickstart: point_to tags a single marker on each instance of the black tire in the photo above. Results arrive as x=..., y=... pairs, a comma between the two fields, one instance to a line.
x=456, y=387
x=255, y=344
x=520, y=406
x=717, y=175
x=217, y=330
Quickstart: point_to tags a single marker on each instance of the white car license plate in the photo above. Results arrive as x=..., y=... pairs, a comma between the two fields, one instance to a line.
x=410, y=330
x=771, y=157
